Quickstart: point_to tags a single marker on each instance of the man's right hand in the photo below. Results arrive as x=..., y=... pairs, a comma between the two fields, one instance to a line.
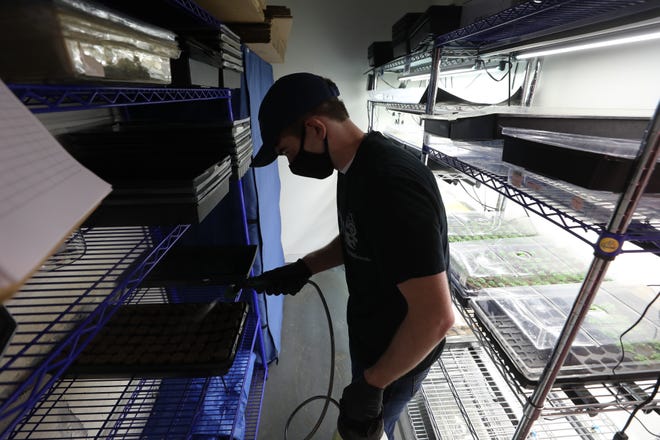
x=284, y=280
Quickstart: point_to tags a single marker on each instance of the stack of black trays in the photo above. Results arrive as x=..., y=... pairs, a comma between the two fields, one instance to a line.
x=161, y=174
x=436, y=20
x=241, y=148
x=209, y=58
x=401, y=33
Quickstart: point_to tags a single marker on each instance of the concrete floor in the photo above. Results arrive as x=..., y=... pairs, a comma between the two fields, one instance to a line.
x=304, y=365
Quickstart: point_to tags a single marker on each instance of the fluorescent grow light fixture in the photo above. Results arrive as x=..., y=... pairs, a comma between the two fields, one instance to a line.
x=415, y=77
x=589, y=45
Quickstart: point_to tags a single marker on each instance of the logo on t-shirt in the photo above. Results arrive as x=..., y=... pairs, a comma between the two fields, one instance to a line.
x=350, y=233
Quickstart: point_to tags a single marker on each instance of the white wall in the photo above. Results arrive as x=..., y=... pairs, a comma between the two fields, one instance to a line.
x=620, y=80
x=330, y=38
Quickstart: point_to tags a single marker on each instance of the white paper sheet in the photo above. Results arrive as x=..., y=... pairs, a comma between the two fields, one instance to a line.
x=44, y=193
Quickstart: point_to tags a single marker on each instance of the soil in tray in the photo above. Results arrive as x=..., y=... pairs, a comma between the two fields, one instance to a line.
x=476, y=283
x=165, y=340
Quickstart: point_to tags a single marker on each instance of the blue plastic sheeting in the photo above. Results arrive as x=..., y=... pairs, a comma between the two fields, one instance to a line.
x=263, y=205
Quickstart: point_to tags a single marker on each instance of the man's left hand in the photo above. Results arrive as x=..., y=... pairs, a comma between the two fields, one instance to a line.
x=361, y=411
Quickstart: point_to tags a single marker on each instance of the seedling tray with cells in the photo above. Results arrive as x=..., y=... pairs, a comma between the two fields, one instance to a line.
x=525, y=322
x=467, y=226
x=514, y=262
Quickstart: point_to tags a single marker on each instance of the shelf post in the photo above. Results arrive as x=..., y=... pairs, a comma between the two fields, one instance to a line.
x=607, y=247
x=432, y=92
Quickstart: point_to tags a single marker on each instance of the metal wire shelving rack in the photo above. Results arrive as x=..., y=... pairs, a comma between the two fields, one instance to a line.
x=74, y=294
x=147, y=408
x=52, y=98
x=630, y=217
x=63, y=306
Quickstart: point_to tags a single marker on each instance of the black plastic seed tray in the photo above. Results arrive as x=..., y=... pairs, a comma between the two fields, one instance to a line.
x=592, y=162
x=157, y=137
x=524, y=324
x=165, y=340
x=202, y=266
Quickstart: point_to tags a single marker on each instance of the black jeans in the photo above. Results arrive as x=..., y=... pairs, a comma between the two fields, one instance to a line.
x=396, y=396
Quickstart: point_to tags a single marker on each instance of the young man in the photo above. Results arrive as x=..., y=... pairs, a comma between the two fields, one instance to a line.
x=392, y=240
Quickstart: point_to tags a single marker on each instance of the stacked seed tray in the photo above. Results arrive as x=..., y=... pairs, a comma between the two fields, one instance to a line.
x=227, y=53
x=525, y=322
x=161, y=174
x=240, y=149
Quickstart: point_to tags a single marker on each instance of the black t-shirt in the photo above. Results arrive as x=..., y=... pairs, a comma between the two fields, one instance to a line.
x=393, y=227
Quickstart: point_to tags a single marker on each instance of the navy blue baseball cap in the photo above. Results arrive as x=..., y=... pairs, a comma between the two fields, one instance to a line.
x=287, y=100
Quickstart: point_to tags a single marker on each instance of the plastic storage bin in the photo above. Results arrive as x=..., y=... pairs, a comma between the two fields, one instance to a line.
x=70, y=40
x=525, y=323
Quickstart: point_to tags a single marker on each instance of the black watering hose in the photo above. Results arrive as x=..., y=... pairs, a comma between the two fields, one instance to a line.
x=328, y=396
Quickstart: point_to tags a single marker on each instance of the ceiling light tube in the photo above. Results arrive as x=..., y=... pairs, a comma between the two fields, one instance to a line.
x=415, y=77
x=589, y=45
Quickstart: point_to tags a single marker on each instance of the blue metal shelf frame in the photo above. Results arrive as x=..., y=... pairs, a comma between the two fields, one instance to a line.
x=198, y=12
x=532, y=19
x=253, y=407
x=143, y=408
x=60, y=311
x=58, y=98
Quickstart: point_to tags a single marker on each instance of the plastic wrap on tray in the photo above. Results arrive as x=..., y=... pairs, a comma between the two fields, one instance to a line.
x=537, y=318
x=72, y=39
x=466, y=226
x=514, y=262
x=525, y=322
x=626, y=148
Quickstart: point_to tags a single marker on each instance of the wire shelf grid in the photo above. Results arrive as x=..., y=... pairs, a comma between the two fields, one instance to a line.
x=603, y=397
x=556, y=202
x=62, y=306
x=537, y=18
x=574, y=209
x=148, y=408
x=198, y=12
x=463, y=407
x=56, y=98
x=253, y=407
x=417, y=59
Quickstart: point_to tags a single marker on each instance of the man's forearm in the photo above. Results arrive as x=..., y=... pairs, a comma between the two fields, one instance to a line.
x=327, y=257
x=429, y=318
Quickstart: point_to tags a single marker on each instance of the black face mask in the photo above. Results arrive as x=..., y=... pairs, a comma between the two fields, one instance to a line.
x=315, y=165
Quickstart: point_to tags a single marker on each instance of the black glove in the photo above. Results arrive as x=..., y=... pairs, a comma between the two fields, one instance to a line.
x=286, y=280
x=361, y=412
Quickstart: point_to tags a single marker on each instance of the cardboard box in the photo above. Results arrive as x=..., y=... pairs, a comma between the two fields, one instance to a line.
x=235, y=11
x=275, y=49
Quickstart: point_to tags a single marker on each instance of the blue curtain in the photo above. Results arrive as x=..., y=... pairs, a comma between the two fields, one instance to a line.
x=262, y=194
